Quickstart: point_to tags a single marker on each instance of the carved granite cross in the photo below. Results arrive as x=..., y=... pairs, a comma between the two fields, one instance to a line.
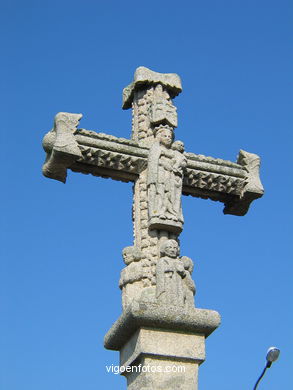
x=159, y=323
x=158, y=166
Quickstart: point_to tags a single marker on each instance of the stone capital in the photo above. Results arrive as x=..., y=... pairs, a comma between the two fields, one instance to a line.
x=146, y=77
x=139, y=314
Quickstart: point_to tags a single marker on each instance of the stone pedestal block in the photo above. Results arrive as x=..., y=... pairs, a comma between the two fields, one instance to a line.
x=162, y=359
x=160, y=347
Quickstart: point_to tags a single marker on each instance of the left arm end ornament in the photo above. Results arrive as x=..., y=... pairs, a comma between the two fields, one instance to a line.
x=61, y=146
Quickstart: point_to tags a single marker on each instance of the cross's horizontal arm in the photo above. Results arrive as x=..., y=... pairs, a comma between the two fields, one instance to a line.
x=99, y=154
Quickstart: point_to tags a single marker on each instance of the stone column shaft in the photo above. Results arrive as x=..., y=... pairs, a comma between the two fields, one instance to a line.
x=162, y=359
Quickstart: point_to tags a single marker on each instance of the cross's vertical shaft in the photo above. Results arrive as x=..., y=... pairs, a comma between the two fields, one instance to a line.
x=160, y=326
x=149, y=96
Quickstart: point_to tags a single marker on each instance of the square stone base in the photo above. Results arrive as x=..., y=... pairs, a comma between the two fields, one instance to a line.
x=161, y=347
x=164, y=360
x=173, y=376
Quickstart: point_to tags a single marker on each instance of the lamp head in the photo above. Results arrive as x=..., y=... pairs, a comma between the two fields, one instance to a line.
x=272, y=355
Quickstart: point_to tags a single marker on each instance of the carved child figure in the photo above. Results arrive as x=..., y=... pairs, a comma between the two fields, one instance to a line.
x=179, y=163
x=189, y=286
x=169, y=274
x=131, y=276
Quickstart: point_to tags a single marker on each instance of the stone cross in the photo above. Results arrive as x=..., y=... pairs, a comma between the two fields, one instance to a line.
x=159, y=324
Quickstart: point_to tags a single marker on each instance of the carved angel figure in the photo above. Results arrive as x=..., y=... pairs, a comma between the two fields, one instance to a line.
x=178, y=166
x=131, y=276
x=188, y=283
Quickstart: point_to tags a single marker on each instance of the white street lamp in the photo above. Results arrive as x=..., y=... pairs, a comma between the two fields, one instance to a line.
x=272, y=355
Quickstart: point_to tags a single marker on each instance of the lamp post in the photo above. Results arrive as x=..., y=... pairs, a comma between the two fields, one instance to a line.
x=272, y=355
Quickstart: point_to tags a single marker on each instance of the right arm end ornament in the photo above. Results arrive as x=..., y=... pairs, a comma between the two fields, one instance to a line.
x=253, y=188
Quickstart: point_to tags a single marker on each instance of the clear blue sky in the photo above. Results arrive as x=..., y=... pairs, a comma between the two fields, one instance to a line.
x=61, y=246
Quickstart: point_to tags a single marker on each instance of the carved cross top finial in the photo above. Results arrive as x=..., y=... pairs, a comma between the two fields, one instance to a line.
x=150, y=96
x=144, y=77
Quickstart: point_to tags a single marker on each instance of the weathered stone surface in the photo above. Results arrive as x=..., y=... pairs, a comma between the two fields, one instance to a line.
x=164, y=380
x=173, y=277
x=170, y=359
x=188, y=284
x=132, y=276
x=169, y=276
x=151, y=315
x=61, y=146
x=167, y=281
x=252, y=189
x=163, y=343
x=123, y=159
x=159, y=323
x=145, y=77
x=164, y=182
